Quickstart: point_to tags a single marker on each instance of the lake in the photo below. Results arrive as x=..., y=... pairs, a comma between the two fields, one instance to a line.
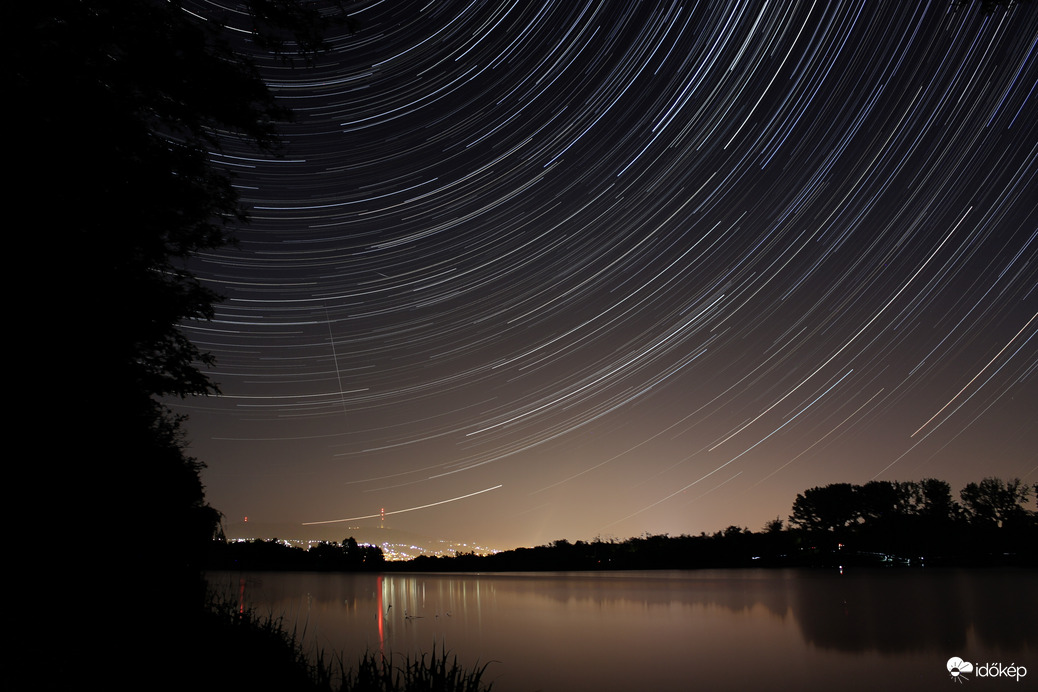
x=893, y=629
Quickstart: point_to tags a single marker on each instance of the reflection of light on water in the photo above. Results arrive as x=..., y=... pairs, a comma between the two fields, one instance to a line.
x=242, y=581
x=381, y=615
x=590, y=630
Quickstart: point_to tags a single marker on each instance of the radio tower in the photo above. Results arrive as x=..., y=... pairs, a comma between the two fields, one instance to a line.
x=382, y=519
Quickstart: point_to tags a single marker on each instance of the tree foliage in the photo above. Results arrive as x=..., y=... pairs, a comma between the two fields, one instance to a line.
x=995, y=502
x=838, y=506
x=829, y=508
x=119, y=108
x=125, y=104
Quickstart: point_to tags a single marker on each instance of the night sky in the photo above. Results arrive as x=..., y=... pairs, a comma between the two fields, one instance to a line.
x=614, y=268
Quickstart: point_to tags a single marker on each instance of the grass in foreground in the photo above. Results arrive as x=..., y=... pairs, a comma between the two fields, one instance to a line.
x=376, y=672
x=257, y=652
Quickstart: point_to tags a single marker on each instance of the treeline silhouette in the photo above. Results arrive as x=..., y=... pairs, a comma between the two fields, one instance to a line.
x=274, y=554
x=889, y=523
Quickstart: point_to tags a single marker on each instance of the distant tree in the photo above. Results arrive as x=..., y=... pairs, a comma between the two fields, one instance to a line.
x=826, y=509
x=353, y=557
x=325, y=555
x=931, y=497
x=773, y=526
x=880, y=501
x=994, y=502
x=374, y=558
x=348, y=556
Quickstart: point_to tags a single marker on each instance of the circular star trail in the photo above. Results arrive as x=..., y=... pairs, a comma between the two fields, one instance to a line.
x=648, y=267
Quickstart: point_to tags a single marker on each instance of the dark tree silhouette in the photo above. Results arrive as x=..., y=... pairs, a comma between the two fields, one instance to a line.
x=122, y=103
x=826, y=509
x=877, y=500
x=119, y=106
x=995, y=502
x=773, y=526
x=932, y=498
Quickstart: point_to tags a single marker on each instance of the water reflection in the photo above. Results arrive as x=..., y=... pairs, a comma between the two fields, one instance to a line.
x=664, y=630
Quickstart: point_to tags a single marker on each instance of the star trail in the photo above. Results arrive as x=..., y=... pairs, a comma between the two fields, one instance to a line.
x=636, y=267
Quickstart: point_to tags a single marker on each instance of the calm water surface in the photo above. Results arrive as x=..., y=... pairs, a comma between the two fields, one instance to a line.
x=677, y=630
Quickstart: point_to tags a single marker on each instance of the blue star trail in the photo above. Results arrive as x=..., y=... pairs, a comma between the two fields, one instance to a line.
x=638, y=267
